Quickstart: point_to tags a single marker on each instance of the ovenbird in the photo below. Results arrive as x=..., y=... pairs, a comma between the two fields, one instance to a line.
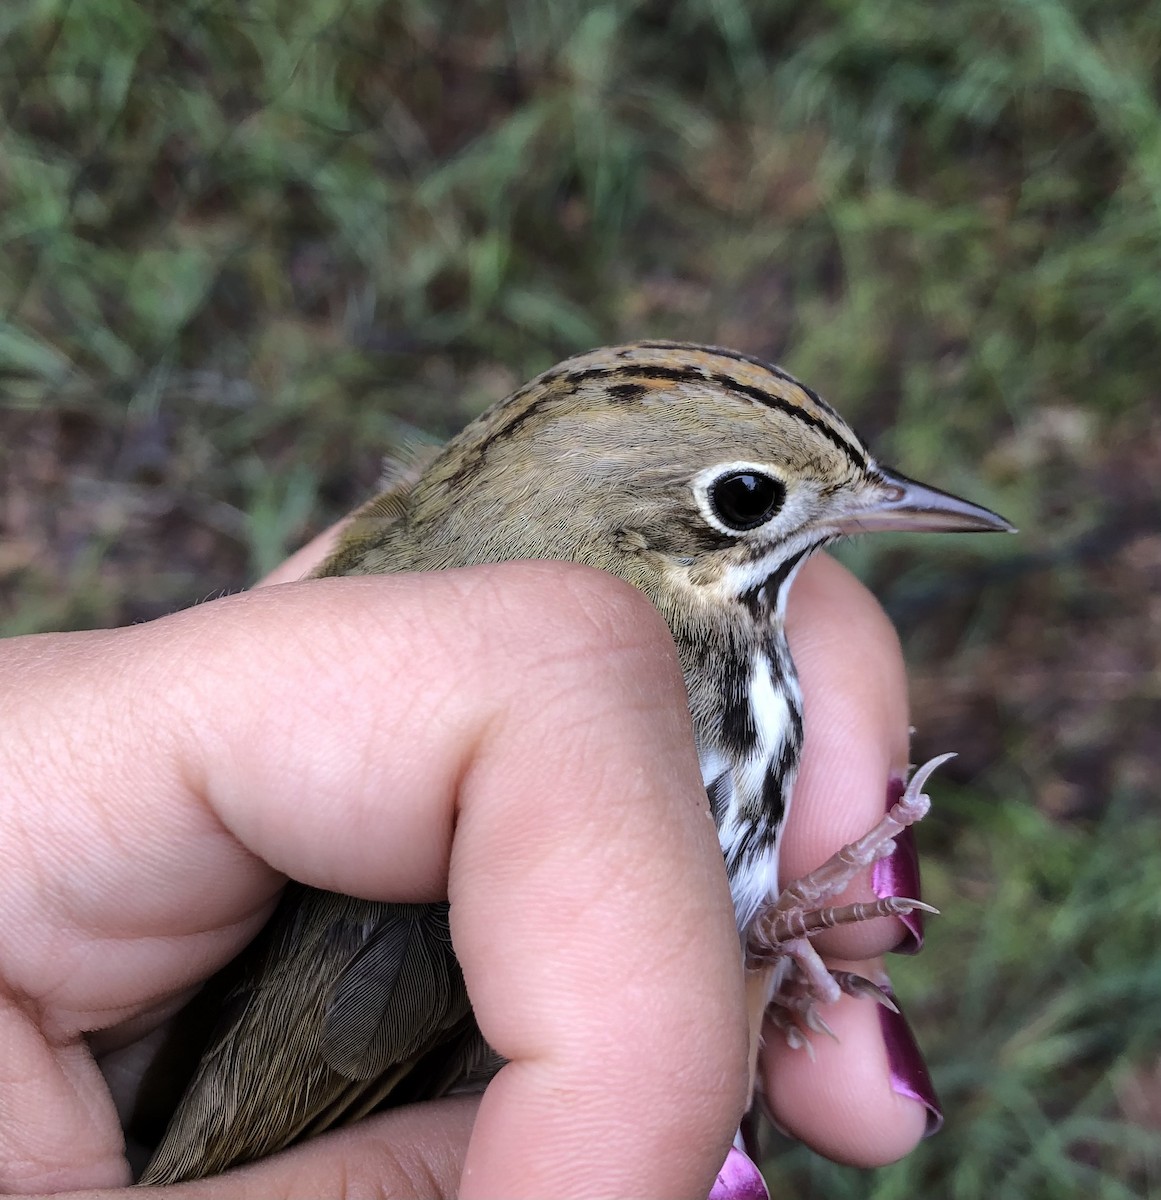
x=704, y=478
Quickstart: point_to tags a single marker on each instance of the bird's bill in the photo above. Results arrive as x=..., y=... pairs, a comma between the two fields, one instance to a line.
x=900, y=505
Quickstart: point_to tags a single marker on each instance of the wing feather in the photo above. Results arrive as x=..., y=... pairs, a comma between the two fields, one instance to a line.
x=371, y=990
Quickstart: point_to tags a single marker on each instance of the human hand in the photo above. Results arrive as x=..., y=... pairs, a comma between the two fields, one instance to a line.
x=154, y=799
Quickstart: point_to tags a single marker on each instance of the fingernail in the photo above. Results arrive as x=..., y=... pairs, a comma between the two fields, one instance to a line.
x=739, y=1179
x=898, y=874
x=909, y=1074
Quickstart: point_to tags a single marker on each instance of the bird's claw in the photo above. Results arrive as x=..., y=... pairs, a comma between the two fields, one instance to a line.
x=780, y=935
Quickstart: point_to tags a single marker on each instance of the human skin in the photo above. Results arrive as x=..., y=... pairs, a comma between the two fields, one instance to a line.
x=512, y=737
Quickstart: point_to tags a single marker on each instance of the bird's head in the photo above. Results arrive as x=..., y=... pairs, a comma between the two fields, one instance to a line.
x=676, y=466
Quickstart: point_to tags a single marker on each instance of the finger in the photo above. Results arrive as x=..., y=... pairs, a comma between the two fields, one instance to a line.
x=291, y=728
x=583, y=836
x=863, y=1099
x=413, y=1151
x=622, y=938
x=856, y=721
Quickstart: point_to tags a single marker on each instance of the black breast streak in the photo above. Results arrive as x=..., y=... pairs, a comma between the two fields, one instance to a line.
x=764, y=821
x=758, y=838
x=718, y=794
x=762, y=831
x=773, y=795
x=794, y=737
x=738, y=733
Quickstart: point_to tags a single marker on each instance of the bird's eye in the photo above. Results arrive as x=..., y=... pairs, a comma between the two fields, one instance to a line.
x=745, y=499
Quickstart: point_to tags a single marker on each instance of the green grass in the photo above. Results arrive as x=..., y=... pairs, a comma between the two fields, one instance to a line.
x=247, y=249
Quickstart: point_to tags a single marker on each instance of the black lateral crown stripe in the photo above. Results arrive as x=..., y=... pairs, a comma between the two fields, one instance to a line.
x=753, y=359
x=630, y=371
x=734, y=356
x=769, y=400
x=758, y=395
x=635, y=371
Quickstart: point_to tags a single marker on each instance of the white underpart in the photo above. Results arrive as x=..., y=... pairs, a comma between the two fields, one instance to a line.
x=712, y=765
x=755, y=883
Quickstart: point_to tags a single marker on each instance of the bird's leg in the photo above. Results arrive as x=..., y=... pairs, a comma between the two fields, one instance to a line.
x=780, y=937
x=801, y=910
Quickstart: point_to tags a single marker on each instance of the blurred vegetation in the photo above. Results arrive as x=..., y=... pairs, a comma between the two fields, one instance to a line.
x=250, y=248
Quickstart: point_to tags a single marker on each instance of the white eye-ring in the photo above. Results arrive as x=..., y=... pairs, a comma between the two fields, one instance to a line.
x=738, y=497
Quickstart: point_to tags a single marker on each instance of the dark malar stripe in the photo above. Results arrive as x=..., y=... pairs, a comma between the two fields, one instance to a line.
x=778, y=577
x=762, y=600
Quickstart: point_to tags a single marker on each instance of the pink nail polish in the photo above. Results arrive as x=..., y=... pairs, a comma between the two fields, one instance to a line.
x=739, y=1179
x=898, y=875
x=909, y=1074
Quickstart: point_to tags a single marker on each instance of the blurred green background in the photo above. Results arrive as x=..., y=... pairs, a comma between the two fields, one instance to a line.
x=249, y=248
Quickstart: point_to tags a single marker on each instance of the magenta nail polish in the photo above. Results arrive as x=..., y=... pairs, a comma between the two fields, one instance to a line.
x=739, y=1179
x=909, y=1074
x=898, y=875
